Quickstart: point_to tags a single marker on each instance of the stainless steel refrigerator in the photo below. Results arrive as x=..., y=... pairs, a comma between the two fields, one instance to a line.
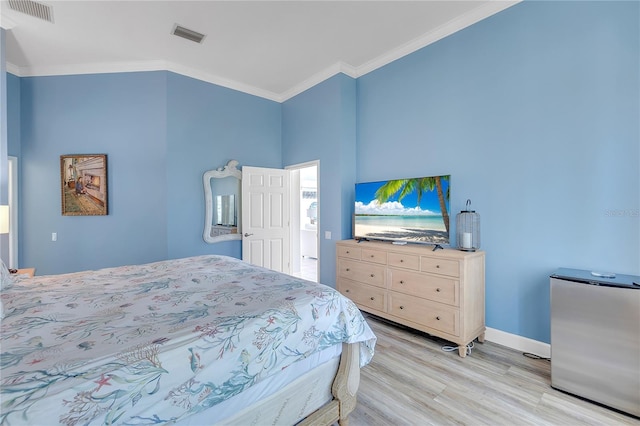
x=595, y=337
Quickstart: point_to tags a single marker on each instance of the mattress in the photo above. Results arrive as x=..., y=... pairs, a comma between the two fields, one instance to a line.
x=161, y=342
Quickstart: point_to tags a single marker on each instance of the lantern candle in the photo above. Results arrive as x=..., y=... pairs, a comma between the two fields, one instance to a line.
x=466, y=240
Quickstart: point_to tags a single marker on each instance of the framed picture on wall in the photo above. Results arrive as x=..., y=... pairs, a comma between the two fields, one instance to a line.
x=83, y=184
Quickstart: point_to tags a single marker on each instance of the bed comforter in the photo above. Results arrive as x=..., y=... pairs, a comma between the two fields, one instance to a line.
x=155, y=343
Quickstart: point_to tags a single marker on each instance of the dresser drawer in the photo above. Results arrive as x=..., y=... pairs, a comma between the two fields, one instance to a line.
x=440, y=266
x=402, y=260
x=362, y=294
x=426, y=313
x=375, y=256
x=363, y=272
x=350, y=252
x=438, y=289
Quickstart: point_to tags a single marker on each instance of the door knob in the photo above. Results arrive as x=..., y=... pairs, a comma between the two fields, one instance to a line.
x=247, y=235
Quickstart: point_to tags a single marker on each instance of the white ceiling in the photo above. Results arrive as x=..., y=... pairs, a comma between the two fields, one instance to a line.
x=272, y=49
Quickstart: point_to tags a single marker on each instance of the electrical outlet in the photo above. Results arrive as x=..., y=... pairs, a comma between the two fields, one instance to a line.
x=327, y=235
x=54, y=236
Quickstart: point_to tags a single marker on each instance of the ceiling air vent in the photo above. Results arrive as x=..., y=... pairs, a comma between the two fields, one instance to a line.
x=188, y=34
x=33, y=8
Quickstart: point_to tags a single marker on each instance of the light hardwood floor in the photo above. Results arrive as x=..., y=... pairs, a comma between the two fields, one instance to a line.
x=412, y=381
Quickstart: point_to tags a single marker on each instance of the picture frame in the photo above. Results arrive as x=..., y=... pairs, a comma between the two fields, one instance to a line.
x=83, y=184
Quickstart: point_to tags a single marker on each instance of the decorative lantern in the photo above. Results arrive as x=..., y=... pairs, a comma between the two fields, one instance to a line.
x=468, y=229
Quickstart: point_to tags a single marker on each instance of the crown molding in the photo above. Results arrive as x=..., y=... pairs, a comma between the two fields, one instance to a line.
x=139, y=66
x=484, y=11
x=327, y=73
x=6, y=22
x=88, y=68
x=10, y=68
x=453, y=26
x=224, y=82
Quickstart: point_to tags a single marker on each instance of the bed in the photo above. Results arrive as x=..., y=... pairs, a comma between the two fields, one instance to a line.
x=201, y=340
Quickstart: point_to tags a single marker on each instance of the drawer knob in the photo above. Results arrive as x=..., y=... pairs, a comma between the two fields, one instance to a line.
x=346, y=291
x=401, y=260
x=437, y=266
x=438, y=318
x=373, y=298
x=372, y=256
x=347, y=269
x=401, y=307
x=438, y=290
x=371, y=275
x=401, y=282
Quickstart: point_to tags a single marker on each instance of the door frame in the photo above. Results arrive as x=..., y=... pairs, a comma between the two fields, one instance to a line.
x=295, y=212
x=13, y=212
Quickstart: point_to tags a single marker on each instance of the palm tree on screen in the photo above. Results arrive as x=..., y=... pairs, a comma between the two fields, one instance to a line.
x=403, y=187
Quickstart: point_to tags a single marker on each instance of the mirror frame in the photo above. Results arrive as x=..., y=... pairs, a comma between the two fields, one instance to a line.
x=230, y=170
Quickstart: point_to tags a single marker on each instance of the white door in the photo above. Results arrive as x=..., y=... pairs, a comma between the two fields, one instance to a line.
x=265, y=217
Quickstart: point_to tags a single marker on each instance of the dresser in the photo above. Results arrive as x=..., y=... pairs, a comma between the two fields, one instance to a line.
x=438, y=292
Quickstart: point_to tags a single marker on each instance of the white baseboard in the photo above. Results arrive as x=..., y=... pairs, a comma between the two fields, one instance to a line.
x=518, y=343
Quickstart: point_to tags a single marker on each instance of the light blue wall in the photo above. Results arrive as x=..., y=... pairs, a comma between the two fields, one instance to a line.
x=534, y=112
x=319, y=124
x=161, y=132
x=121, y=115
x=209, y=125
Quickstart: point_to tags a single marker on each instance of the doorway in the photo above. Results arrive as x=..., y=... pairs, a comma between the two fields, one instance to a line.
x=305, y=223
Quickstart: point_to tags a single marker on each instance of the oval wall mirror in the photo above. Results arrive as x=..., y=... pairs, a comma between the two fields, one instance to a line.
x=222, y=203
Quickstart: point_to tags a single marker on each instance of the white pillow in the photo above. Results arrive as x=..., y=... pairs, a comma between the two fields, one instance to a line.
x=6, y=280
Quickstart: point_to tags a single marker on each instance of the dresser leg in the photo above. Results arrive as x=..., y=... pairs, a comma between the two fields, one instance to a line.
x=481, y=337
x=462, y=351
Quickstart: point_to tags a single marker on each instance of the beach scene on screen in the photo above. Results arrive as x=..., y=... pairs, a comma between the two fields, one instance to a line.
x=412, y=210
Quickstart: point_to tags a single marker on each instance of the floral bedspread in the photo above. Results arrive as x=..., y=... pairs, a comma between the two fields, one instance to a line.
x=154, y=343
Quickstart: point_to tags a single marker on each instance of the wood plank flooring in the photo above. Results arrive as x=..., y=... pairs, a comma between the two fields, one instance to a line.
x=412, y=381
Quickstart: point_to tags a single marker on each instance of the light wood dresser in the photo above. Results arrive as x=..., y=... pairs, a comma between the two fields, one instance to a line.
x=439, y=292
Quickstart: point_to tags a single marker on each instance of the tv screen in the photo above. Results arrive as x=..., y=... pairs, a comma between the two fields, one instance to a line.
x=412, y=210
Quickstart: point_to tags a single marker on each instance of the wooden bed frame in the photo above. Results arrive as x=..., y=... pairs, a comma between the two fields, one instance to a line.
x=344, y=389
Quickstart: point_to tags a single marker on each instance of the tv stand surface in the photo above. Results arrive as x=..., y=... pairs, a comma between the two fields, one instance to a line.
x=438, y=292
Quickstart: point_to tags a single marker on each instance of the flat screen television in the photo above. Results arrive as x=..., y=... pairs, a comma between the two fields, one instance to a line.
x=414, y=210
